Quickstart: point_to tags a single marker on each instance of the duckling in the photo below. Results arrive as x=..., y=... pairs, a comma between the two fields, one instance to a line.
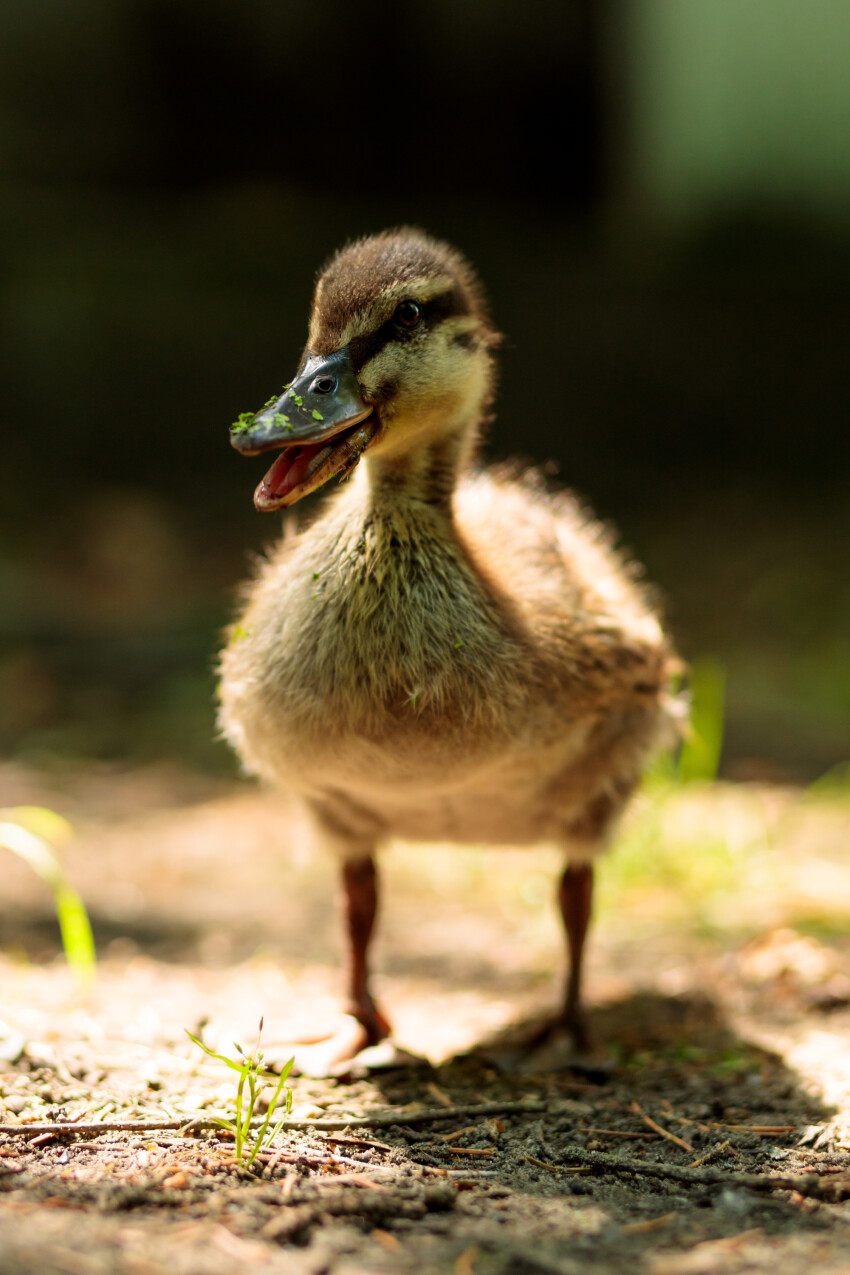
x=445, y=653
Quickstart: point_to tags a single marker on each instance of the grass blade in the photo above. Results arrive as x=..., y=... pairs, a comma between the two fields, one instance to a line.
x=25, y=830
x=76, y=931
x=700, y=756
x=222, y=1058
x=241, y=1121
x=262, y=1140
x=252, y=1074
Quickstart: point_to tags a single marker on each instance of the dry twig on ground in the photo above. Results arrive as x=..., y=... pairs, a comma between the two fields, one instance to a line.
x=659, y=1129
x=814, y=1185
x=375, y=1120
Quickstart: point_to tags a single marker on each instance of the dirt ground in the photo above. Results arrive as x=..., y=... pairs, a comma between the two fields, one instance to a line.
x=721, y=1007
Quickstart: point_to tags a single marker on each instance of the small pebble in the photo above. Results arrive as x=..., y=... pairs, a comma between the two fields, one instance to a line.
x=735, y=1202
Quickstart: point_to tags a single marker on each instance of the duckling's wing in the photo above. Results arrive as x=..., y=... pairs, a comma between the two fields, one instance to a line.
x=580, y=603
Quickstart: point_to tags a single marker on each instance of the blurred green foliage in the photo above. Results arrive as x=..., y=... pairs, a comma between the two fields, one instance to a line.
x=32, y=833
x=699, y=758
x=704, y=848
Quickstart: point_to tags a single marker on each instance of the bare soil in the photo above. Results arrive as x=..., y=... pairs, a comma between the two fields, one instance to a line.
x=722, y=1054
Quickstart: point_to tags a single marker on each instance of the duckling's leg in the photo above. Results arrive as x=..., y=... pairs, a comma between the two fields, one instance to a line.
x=360, y=906
x=362, y=1023
x=575, y=895
x=562, y=1041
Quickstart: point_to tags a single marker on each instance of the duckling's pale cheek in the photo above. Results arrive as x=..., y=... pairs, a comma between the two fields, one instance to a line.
x=453, y=384
x=418, y=414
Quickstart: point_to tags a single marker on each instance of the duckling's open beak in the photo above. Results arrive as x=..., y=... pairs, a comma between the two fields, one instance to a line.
x=321, y=422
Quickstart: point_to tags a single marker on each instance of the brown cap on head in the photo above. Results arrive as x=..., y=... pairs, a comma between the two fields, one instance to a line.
x=351, y=288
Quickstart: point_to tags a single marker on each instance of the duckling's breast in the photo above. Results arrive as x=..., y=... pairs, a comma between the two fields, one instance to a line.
x=412, y=681
x=373, y=647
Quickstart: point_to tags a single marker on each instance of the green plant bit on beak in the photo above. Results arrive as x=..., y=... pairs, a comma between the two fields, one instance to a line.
x=243, y=422
x=298, y=400
x=317, y=416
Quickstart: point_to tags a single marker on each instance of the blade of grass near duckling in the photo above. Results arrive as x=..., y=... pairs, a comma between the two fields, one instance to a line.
x=257, y=1080
x=223, y=1058
x=264, y=1137
x=698, y=759
x=681, y=847
x=700, y=756
x=834, y=785
x=232, y=1127
x=28, y=832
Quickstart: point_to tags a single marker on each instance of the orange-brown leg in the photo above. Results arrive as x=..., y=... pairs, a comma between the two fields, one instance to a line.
x=360, y=906
x=362, y=1024
x=575, y=895
x=560, y=1041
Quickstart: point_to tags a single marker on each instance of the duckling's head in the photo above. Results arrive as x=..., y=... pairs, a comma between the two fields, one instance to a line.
x=399, y=355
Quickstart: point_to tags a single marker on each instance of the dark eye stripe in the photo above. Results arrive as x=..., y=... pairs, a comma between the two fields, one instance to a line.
x=444, y=306
x=447, y=305
x=364, y=348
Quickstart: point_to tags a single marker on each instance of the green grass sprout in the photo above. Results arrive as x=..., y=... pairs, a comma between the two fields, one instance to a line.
x=689, y=840
x=700, y=756
x=834, y=785
x=253, y=1081
x=32, y=832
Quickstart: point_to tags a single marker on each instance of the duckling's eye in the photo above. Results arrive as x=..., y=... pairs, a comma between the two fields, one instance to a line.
x=407, y=315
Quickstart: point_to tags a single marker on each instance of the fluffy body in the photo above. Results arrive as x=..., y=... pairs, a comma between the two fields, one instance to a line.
x=444, y=654
x=479, y=670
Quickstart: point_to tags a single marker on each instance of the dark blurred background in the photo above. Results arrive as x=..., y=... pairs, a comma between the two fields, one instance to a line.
x=657, y=195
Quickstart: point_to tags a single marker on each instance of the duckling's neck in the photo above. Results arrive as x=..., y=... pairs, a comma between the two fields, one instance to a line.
x=424, y=470
x=425, y=475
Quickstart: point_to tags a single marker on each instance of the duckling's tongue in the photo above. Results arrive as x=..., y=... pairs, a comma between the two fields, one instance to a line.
x=292, y=466
x=302, y=468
